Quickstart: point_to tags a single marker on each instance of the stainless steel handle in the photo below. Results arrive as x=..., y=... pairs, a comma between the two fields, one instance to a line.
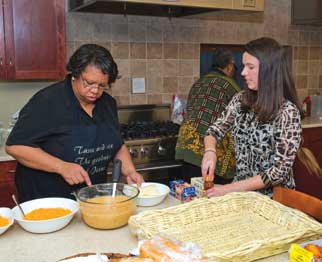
x=154, y=168
x=158, y=167
x=10, y=63
x=12, y=171
x=1, y=62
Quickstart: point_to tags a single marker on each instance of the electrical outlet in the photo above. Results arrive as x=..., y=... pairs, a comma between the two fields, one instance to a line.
x=138, y=85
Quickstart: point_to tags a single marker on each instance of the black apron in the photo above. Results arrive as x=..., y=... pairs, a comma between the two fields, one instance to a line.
x=91, y=142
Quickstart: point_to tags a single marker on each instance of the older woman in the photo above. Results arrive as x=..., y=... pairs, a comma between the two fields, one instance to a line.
x=68, y=132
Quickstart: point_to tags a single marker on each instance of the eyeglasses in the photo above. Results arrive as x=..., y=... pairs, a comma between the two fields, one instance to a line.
x=90, y=86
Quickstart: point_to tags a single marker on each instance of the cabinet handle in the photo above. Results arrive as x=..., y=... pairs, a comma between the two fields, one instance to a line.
x=11, y=171
x=10, y=62
x=1, y=63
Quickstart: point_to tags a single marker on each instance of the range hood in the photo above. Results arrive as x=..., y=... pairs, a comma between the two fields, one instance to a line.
x=166, y=8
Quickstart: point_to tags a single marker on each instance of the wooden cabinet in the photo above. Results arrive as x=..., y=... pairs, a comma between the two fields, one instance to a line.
x=32, y=39
x=305, y=182
x=7, y=183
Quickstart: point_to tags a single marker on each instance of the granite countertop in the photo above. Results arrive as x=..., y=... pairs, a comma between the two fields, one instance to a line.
x=19, y=245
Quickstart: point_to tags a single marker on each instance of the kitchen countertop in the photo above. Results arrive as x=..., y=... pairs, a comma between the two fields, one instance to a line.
x=313, y=121
x=308, y=122
x=19, y=245
x=4, y=156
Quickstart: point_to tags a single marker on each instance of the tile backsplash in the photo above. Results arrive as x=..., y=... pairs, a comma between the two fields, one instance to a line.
x=166, y=51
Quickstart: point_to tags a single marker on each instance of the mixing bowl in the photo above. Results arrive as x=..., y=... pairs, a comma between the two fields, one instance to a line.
x=6, y=213
x=100, y=209
x=49, y=225
x=158, y=193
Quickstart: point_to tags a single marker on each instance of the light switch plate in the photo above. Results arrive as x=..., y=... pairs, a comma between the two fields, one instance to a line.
x=138, y=85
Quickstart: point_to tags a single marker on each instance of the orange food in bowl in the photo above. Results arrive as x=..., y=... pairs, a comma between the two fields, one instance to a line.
x=4, y=221
x=47, y=213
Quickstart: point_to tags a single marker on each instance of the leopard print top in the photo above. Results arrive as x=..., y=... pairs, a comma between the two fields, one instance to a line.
x=265, y=149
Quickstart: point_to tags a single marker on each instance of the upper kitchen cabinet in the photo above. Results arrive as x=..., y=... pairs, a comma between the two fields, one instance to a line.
x=32, y=39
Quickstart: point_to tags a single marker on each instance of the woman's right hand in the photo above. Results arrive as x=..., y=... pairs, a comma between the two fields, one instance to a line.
x=208, y=164
x=74, y=174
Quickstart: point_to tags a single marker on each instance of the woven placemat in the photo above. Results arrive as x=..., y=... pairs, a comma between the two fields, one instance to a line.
x=236, y=227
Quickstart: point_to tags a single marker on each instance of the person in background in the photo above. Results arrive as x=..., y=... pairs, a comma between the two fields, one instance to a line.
x=265, y=120
x=68, y=132
x=207, y=98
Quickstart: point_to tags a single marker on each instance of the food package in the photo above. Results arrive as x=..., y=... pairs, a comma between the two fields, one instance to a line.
x=197, y=183
x=178, y=109
x=166, y=249
x=172, y=185
x=182, y=190
x=306, y=253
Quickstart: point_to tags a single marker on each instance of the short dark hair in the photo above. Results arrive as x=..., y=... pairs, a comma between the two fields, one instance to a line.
x=275, y=80
x=92, y=54
x=221, y=58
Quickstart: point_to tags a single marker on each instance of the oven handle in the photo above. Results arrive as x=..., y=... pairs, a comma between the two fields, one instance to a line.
x=158, y=167
x=154, y=168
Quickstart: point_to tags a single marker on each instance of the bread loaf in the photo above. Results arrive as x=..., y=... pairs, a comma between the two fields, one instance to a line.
x=161, y=248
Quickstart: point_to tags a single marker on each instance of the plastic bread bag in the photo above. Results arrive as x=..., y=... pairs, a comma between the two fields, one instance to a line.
x=178, y=109
x=166, y=249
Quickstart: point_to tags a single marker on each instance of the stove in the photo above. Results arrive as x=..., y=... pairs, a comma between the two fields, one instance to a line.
x=150, y=141
x=151, y=138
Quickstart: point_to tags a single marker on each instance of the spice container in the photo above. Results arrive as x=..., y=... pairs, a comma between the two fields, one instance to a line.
x=208, y=183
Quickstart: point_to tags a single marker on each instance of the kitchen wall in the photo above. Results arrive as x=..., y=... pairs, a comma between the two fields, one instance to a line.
x=166, y=52
x=13, y=95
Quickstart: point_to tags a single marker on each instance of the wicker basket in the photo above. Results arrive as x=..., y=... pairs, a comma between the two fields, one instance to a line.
x=235, y=227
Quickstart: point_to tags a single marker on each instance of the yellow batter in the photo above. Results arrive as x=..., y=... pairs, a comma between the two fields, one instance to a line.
x=115, y=213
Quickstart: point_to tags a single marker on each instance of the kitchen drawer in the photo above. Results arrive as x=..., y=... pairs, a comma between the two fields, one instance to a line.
x=312, y=135
x=7, y=183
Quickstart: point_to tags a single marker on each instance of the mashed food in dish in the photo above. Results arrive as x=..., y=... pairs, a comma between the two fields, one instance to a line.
x=110, y=212
x=149, y=190
x=47, y=213
x=4, y=221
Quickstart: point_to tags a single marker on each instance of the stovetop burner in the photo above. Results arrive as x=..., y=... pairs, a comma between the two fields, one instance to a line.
x=149, y=129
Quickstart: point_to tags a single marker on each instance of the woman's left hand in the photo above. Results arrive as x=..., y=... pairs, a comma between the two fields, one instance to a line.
x=217, y=190
x=134, y=178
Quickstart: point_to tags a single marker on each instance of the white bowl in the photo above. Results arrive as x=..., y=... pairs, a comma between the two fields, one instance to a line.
x=153, y=200
x=6, y=212
x=45, y=226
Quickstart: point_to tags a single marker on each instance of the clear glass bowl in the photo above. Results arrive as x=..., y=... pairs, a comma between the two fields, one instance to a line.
x=100, y=209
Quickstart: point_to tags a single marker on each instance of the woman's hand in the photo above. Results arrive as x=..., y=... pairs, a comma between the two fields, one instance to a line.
x=74, y=174
x=134, y=178
x=217, y=190
x=208, y=164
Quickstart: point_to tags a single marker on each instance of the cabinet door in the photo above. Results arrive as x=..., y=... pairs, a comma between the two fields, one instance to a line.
x=2, y=50
x=306, y=182
x=7, y=183
x=35, y=39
